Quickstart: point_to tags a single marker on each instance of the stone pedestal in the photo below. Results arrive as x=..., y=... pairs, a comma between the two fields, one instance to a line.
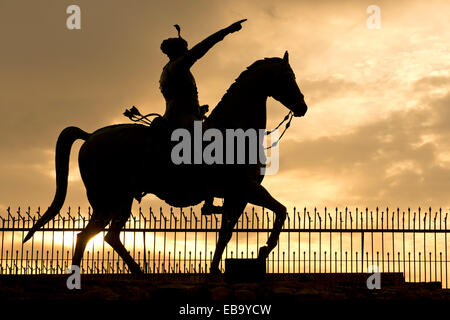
x=244, y=270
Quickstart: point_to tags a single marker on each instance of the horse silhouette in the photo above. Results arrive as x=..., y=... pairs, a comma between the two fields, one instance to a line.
x=119, y=163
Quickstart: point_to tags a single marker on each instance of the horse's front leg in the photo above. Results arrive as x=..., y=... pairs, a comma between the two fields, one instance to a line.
x=259, y=196
x=232, y=210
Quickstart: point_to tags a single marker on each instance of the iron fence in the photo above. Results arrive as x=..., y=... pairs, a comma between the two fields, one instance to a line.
x=413, y=242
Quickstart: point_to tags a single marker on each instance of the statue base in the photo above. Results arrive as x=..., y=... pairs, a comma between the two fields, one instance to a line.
x=245, y=270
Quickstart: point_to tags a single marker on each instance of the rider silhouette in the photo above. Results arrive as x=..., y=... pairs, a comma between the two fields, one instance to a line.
x=177, y=83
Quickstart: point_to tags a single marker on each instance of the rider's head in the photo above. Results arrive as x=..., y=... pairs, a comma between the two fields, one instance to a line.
x=174, y=47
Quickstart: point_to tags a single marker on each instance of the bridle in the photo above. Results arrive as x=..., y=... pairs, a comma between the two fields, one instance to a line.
x=287, y=118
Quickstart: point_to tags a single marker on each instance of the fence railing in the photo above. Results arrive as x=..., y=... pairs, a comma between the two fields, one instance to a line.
x=413, y=242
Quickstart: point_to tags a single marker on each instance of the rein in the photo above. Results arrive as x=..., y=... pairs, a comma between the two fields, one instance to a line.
x=134, y=115
x=287, y=118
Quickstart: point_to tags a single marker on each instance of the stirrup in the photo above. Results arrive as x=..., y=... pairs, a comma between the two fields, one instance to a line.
x=208, y=210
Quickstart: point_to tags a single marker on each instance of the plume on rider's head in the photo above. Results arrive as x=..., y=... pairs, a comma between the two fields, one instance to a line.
x=173, y=47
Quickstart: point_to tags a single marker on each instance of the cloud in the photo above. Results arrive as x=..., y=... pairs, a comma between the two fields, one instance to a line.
x=400, y=160
x=432, y=82
x=377, y=123
x=328, y=88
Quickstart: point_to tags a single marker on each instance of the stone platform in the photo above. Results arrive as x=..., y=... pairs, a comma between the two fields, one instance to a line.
x=285, y=292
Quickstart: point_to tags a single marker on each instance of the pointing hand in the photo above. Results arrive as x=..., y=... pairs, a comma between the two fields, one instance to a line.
x=236, y=26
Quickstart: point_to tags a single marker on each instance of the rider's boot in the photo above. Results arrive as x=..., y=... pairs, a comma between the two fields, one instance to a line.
x=208, y=208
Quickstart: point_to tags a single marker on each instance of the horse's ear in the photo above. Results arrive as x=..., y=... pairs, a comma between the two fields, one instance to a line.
x=286, y=56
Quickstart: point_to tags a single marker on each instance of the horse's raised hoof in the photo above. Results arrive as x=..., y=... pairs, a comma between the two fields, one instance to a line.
x=263, y=253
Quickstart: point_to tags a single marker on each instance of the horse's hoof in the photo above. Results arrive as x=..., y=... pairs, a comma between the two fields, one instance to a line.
x=137, y=271
x=139, y=276
x=263, y=253
x=214, y=271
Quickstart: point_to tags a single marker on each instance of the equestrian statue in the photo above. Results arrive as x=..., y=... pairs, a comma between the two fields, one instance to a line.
x=123, y=162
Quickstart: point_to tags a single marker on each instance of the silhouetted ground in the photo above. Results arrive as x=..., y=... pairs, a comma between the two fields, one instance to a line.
x=321, y=294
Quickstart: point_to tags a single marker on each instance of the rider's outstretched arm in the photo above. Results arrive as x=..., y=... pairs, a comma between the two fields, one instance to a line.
x=200, y=49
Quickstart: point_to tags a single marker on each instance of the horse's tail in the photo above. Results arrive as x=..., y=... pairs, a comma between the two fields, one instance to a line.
x=65, y=140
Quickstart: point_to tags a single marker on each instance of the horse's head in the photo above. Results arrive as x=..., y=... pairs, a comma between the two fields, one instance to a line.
x=285, y=89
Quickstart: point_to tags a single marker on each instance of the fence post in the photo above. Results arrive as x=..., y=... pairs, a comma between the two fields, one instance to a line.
x=362, y=251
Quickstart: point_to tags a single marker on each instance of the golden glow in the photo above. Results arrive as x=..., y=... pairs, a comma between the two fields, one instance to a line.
x=377, y=98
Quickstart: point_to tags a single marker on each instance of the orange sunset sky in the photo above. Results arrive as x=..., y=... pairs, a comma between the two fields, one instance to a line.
x=376, y=132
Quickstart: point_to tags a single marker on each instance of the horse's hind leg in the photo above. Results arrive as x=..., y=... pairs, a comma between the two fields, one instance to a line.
x=95, y=225
x=113, y=239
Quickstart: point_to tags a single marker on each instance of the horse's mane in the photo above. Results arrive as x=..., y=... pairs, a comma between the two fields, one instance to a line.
x=243, y=76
